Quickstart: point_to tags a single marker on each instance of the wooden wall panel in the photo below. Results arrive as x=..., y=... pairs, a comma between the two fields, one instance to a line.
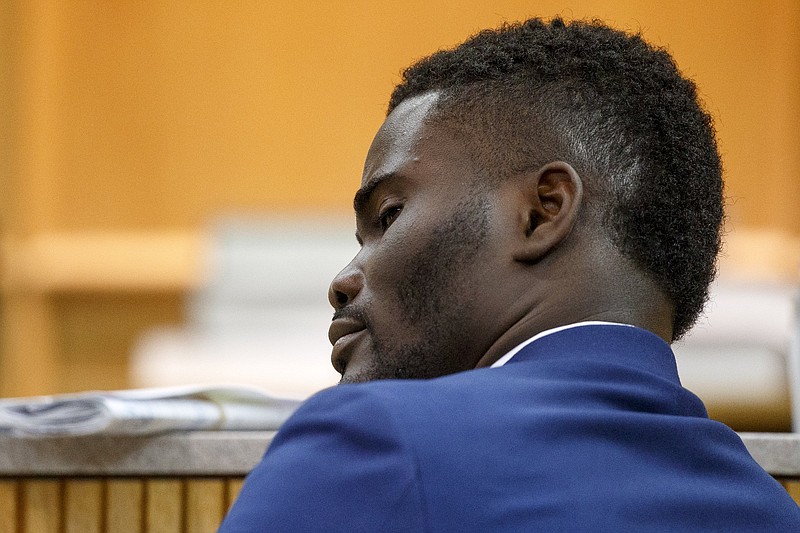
x=129, y=505
x=30, y=356
x=205, y=504
x=234, y=487
x=124, y=506
x=792, y=486
x=132, y=505
x=165, y=501
x=9, y=513
x=42, y=505
x=152, y=117
x=84, y=503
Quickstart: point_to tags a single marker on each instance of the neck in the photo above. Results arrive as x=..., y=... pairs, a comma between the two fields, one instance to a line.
x=606, y=290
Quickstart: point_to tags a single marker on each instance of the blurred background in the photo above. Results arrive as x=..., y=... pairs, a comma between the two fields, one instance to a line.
x=176, y=182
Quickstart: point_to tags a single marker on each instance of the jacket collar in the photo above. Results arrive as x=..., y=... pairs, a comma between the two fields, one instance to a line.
x=603, y=342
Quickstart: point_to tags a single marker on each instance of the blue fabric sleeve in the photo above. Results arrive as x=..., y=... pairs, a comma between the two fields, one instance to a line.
x=338, y=464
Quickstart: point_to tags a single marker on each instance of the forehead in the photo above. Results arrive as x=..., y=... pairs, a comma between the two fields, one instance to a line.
x=404, y=136
x=419, y=152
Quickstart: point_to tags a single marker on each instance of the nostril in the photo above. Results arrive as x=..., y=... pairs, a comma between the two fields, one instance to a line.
x=341, y=298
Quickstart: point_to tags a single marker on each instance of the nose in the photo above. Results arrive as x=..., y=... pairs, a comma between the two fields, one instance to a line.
x=346, y=285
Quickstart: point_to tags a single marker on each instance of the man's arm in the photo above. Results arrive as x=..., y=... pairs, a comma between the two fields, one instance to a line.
x=338, y=464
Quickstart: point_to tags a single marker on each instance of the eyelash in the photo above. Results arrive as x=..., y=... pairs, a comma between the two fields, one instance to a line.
x=390, y=213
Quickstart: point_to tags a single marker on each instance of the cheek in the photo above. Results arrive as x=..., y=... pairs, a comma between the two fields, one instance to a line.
x=397, y=255
x=389, y=265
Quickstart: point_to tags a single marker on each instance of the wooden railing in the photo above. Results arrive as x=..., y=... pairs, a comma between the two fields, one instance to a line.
x=182, y=483
x=173, y=483
x=115, y=504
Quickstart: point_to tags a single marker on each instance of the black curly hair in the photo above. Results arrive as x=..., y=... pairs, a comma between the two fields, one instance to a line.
x=615, y=108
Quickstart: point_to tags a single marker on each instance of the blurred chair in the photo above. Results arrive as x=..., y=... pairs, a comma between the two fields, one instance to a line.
x=742, y=356
x=739, y=356
x=262, y=315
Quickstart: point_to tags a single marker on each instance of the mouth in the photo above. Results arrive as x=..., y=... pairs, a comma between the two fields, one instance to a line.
x=342, y=333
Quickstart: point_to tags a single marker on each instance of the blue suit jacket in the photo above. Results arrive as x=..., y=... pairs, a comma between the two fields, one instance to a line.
x=586, y=429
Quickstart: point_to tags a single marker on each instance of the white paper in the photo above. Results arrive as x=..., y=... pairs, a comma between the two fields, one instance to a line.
x=146, y=411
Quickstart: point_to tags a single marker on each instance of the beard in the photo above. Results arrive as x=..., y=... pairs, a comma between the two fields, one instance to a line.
x=432, y=302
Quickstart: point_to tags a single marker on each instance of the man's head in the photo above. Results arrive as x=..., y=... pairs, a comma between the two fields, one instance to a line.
x=536, y=174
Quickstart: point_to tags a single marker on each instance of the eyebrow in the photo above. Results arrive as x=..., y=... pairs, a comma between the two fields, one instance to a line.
x=365, y=193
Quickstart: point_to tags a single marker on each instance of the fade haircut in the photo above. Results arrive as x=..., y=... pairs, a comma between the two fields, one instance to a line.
x=615, y=108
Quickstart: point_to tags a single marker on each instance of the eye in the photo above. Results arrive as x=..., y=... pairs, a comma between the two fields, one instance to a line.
x=388, y=215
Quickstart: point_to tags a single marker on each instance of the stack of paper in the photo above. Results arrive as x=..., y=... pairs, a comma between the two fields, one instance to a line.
x=146, y=411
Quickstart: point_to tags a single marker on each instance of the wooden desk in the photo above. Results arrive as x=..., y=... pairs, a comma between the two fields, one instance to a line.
x=182, y=482
x=72, y=304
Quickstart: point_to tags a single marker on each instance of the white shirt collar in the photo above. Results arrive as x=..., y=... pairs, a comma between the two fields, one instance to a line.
x=503, y=360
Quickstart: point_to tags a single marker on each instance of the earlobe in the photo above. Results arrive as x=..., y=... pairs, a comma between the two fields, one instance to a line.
x=553, y=198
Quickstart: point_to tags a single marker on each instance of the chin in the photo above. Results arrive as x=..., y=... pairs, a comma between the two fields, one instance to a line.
x=373, y=373
x=356, y=377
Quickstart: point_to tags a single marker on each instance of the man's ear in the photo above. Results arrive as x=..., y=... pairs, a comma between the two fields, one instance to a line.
x=553, y=197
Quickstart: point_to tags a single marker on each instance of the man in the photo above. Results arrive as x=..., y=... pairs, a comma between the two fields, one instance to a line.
x=539, y=217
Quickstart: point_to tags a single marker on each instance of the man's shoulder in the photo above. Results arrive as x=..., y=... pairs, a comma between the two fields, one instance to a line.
x=390, y=395
x=391, y=392
x=386, y=406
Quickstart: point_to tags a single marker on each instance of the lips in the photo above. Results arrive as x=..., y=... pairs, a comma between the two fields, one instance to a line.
x=343, y=326
x=341, y=332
